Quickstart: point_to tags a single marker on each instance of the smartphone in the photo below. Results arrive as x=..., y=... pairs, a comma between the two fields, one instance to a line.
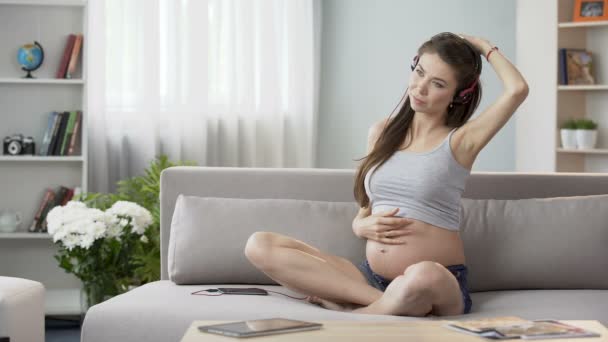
x=260, y=327
x=243, y=291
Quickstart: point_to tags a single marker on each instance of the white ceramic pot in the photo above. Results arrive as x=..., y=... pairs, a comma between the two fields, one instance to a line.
x=586, y=138
x=568, y=138
x=9, y=221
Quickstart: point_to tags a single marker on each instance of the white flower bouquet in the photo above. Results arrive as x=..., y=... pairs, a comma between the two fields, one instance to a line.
x=98, y=246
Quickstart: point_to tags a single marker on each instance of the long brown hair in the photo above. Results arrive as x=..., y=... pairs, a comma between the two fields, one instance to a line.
x=466, y=63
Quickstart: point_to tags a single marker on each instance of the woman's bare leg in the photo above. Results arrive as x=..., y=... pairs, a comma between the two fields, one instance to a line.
x=303, y=268
x=425, y=287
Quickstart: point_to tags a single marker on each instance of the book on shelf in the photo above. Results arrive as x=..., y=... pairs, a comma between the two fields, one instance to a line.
x=54, y=131
x=68, y=133
x=50, y=200
x=48, y=133
x=62, y=134
x=510, y=327
x=65, y=116
x=48, y=197
x=74, y=56
x=75, y=137
x=65, y=59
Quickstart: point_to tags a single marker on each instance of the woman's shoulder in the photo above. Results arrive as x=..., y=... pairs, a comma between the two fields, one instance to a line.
x=375, y=130
x=377, y=127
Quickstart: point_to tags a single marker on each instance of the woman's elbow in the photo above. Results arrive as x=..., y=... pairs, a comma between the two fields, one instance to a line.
x=519, y=91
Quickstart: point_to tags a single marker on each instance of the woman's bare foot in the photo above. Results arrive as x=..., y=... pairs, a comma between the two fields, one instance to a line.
x=346, y=307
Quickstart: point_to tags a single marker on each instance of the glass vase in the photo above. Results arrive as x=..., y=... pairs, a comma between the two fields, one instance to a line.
x=91, y=294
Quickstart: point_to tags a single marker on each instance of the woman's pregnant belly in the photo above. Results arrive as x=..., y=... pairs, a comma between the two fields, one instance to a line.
x=426, y=243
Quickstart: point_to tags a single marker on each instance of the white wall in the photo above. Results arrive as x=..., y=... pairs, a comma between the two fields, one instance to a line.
x=367, y=47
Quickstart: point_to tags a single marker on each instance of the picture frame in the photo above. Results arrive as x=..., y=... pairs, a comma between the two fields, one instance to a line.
x=579, y=67
x=590, y=10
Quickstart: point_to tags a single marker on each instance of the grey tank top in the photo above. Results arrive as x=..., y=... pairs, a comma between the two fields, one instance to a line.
x=426, y=186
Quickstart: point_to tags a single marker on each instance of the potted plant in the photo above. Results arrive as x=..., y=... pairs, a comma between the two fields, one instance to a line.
x=98, y=246
x=568, y=134
x=586, y=134
x=130, y=262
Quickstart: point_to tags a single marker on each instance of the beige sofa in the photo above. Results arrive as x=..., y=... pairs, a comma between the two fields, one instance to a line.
x=536, y=247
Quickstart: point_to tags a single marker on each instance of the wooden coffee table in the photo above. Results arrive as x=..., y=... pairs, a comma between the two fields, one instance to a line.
x=379, y=332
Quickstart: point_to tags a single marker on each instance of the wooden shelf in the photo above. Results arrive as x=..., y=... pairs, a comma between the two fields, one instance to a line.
x=77, y=3
x=13, y=80
x=566, y=25
x=582, y=87
x=41, y=159
x=25, y=235
x=591, y=151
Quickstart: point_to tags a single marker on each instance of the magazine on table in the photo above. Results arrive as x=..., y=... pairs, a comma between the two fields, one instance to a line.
x=506, y=328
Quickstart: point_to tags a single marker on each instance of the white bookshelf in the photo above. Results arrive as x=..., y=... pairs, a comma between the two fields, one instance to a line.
x=584, y=151
x=19, y=236
x=565, y=25
x=62, y=302
x=25, y=105
x=598, y=87
x=543, y=27
x=40, y=81
x=38, y=3
x=42, y=158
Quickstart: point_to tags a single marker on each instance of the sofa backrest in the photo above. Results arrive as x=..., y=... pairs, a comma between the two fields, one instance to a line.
x=336, y=185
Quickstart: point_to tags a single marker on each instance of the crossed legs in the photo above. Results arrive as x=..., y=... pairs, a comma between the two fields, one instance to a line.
x=305, y=269
x=424, y=288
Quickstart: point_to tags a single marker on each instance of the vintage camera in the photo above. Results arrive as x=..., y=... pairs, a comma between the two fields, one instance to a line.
x=18, y=145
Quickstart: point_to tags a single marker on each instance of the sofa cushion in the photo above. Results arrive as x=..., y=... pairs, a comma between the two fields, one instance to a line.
x=550, y=243
x=208, y=234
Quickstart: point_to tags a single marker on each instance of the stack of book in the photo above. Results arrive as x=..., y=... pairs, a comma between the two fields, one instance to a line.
x=62, y=135
x=50, y=200
x=71, y=53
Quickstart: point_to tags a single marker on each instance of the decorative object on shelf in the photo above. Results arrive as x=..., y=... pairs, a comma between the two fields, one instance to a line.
x=568, y=134
x=30, y=57
x=18, y=145
x=590, y=10
x=586, y=134
x=579, y=67
x=98, y=246
x=9, y=221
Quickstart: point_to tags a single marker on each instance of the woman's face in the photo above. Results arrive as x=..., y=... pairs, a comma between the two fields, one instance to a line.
x=432, y=85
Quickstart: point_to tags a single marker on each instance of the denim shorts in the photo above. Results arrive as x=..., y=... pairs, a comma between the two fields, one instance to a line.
x=459, y=271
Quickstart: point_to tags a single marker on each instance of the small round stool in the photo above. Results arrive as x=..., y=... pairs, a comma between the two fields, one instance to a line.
x=21, y=310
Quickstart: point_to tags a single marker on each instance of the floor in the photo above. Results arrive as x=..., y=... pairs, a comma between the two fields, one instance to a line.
x=62, y=329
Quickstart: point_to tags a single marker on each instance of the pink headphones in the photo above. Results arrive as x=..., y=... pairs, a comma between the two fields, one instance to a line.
x=465, y=95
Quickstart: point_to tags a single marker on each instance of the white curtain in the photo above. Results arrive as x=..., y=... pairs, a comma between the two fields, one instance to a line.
x=218, y=82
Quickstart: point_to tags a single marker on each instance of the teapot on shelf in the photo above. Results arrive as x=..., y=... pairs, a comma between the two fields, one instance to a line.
x=9, y=221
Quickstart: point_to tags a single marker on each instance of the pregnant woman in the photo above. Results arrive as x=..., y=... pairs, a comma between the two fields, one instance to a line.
x=408, y=187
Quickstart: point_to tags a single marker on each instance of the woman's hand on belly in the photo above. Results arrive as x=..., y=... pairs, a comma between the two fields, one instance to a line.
x=383, y=227
x=425, y=243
